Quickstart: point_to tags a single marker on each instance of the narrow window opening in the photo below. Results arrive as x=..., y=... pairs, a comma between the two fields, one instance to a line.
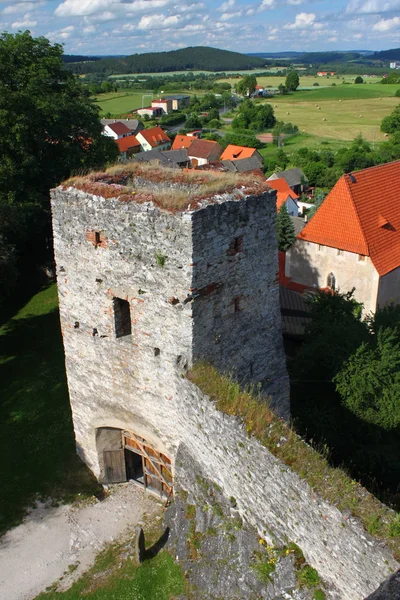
x=235, y=246
x=122, y=317
x=76, y=325
x=331, y=281
x=340, y=252
x=236, y=304
x=156, y=351
x=361, y=257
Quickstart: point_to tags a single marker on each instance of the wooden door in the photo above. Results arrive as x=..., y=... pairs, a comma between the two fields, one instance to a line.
x=157, y=468
x=114, y=466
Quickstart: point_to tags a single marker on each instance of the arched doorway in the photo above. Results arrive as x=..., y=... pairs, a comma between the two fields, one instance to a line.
x=331, y=281
x=126, y=456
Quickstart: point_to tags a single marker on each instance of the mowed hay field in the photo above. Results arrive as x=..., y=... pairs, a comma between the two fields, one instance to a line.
x=341, y=112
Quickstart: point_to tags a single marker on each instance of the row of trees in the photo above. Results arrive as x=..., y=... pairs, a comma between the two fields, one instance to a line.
x=323, y=168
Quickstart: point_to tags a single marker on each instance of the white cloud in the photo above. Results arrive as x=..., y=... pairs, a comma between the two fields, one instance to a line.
x=372, y=6
x=25, y=23
x=295, y=2
x=302, y=21
x=89, y=29
x=226, y=6
x=387, y=24
x=81, y=8
x=266, y=5
x=160, y=21
x=19, y=7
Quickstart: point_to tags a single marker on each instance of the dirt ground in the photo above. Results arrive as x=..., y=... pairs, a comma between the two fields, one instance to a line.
x=39, y=551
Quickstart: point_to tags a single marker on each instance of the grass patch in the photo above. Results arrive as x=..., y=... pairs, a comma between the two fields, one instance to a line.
x=115, y=576
x=308, y=577
x=36, y=434
x=170, y=189
x=333, y=484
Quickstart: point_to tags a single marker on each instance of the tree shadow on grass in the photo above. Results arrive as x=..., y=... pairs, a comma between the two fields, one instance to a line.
x=36, y=434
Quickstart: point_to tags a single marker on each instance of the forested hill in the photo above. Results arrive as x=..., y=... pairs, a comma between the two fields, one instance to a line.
x=393, y=54
x=198, y=58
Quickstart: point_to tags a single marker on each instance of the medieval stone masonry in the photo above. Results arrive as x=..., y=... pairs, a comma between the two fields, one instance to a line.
x=145, y=292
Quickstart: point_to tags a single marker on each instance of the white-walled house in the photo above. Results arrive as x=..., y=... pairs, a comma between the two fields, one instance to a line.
x=152, y=138
x=285, y=196
x=353, y=241
x=117, y=130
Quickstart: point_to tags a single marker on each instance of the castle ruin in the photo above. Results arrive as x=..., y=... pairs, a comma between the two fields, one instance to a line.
x=156, y=270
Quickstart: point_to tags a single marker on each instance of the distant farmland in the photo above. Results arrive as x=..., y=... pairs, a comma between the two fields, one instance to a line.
x=340, y=112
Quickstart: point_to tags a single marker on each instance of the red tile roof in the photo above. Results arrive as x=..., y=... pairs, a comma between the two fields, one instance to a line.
x=361, y=215
x=155, y=136
x=119, y=128
x=283, y=189
x=232, y=152
x=127, y=142
x=203, y=148
x=181, y=141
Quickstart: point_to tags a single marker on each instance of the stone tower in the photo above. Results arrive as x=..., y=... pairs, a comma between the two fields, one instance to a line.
x=157, y=269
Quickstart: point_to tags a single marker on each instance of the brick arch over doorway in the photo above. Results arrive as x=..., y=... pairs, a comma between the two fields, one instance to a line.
x=126, y=456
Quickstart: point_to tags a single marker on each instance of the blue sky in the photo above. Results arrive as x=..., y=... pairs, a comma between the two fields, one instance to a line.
x=129, y=26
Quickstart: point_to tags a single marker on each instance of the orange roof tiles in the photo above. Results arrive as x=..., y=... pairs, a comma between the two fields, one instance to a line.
x=127, y=142
x=181, y=141
x=283, y=189
x=154, y=136
x=232, y=152
x=361, y=215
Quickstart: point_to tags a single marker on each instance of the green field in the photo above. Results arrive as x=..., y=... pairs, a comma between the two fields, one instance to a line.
x=36, y=435
x=123, y=101
x=338, y=113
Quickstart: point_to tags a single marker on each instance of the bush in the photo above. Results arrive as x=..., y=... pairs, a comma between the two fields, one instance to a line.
x=359, y=79
x=316, y=84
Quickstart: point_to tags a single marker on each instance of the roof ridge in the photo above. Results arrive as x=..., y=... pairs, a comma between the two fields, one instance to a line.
x=356, y=210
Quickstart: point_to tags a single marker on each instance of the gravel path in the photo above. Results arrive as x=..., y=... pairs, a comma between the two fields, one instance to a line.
x=39, y=551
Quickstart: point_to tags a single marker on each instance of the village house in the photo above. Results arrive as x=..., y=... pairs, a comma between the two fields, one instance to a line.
x=154, y=137
x=150, y=111
x=179, y=101
x=116, y=130
x=233, y=152
x=353, y=241
x=134, y=125
x=202, y=152
x=164, y=103
x=295, y=179
x=128, y=146
x=181, y=141
x=285, y=196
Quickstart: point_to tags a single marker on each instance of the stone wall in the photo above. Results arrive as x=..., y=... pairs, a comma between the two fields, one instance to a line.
x=180, y=274
x=310, y=264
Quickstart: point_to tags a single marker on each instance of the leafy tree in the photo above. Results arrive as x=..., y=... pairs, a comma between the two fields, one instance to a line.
x=282, y=89
x=247, y=85
x=397, y=93
x=254, y=116
x=193, y=122
x=359, y=79
x=369, y=382
x=292, y=81
x=334, y=334
x=284, y=229
x=48, y=125
x=391, y=124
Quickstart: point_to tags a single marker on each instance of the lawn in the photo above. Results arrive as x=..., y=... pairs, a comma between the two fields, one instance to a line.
x=115, y=576
x=36, y=435
x=123, y=101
